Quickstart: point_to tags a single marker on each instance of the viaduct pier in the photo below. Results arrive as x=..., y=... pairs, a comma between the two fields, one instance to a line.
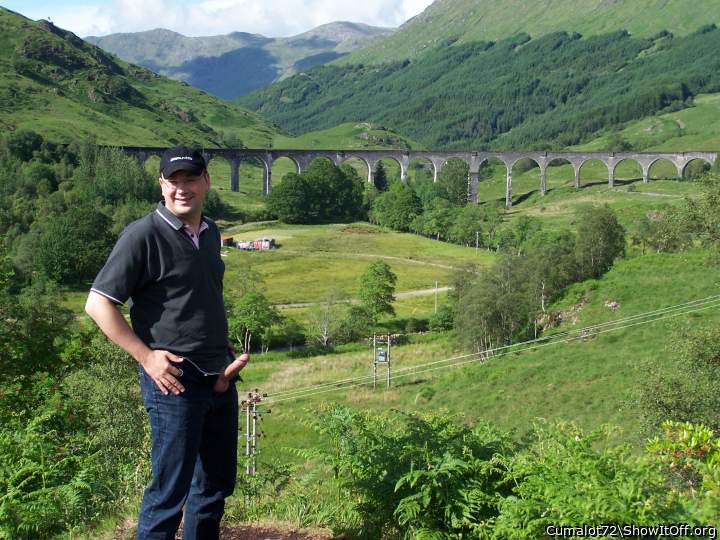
x=436, y=160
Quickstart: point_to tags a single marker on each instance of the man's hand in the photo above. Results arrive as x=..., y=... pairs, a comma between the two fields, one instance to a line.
x=159, y=366
x=223, y=381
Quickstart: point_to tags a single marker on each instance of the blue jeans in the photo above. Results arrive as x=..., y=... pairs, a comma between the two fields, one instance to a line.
x=194, y=457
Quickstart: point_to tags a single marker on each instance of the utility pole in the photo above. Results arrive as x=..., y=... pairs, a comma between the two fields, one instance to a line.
x=436, y=295
x=477, y=241
x=374, y=361
x=252, y=415
x=381, y=355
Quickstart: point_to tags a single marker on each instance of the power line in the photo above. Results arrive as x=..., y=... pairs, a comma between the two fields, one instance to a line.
x=504, y=347
x=494, y=351
x=534, y=344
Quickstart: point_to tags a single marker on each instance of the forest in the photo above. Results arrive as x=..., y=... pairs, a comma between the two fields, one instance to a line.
x=519, y=93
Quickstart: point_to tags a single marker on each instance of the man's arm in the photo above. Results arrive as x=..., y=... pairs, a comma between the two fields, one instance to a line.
x=157, y=363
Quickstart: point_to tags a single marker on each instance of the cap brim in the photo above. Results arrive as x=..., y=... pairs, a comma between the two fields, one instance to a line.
x=192, y=168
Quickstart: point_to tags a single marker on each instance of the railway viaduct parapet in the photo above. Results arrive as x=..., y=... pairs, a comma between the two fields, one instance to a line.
x=436, y=160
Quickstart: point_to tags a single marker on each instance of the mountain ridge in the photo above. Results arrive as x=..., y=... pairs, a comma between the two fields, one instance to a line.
x=233, y=64
x=464, y=21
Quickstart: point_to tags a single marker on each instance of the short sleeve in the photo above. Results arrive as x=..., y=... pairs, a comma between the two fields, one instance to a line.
x=123, y=269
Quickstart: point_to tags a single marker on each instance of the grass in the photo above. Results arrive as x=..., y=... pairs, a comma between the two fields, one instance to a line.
x=591, y=382
x=313, y=261
x=694, y=128
x=350, y=136
x=630, y=197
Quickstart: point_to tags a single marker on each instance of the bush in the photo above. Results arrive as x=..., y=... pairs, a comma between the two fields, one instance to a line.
x=442, y=320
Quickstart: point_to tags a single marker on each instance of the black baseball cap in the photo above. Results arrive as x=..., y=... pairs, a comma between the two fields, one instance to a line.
x=182, y=158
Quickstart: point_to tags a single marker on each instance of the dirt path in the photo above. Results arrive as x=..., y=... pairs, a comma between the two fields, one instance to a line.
x=251, y=531
x=405, y=294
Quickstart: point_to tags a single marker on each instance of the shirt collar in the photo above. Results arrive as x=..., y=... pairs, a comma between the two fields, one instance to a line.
x=174, y=221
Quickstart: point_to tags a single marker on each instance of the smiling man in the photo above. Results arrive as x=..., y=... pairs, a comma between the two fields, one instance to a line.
x=168, y=264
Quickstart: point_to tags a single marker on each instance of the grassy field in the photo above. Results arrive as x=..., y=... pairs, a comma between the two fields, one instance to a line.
x=591, y=381
x=314, y=261
x=695, y=128
x=350, y=136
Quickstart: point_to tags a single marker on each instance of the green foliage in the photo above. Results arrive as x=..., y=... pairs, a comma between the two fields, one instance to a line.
x=688, y=389
x=31, y=335
x=77, y=450
x=555, y=90
x=376, y=289
x=74, y=245
x=510, y=300
x=396, y=208
x=454, y=179
x=250, y=316
x=601, y=240
x=107, y=176
x=358, y=323
x=663, y=231
x=442, y=320
x=566, y=477
x=691, y=455
x=213, y=206
x=377, y=461
x=380, y=177
x=701, y=212
x=409, y=476
x=322, y=193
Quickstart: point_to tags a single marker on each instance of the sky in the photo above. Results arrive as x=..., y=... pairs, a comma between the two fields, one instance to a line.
x=272, y=18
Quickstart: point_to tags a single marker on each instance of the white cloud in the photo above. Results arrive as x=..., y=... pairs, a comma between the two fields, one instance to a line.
x=211, y=17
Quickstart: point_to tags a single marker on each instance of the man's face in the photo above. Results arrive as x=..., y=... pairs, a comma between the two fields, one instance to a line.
x=184, y=193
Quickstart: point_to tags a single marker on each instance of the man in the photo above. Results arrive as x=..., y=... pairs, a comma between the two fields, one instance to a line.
x=168, y=264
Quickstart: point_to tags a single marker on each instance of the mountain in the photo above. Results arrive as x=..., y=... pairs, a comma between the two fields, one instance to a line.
x=53, y=82
x=234, y=64
x=464, y=21
x=554, y=91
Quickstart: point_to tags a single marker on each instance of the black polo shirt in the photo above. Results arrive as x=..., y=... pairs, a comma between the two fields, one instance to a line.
x=176, y=289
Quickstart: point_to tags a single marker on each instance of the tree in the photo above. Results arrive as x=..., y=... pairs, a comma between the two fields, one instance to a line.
x=357, y=324
x=291, y=200
x=601, y=240
x=467, y=224
x=214, y=205
x=73, y=246
x=495, y=308
x=251, y=316
x=325, y=320
x=454, y=179
x=397, y=207
x=701, y=213
x=438, y=218
x=322, y=193
x=687, y=389
x=376, y=290
x=551, y=266
x=380, y=177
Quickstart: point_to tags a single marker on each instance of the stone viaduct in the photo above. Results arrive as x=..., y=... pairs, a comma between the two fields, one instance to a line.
x=303, y=158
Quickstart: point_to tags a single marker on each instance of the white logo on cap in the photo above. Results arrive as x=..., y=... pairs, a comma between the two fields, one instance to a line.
x=181, y=157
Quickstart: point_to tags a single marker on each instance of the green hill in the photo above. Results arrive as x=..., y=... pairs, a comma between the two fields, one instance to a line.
x=696, y=128
x=557, y=90
x=464, y=21
x=54, y=83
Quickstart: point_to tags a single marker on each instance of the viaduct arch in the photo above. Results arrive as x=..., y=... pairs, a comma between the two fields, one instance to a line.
x=303, y=158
